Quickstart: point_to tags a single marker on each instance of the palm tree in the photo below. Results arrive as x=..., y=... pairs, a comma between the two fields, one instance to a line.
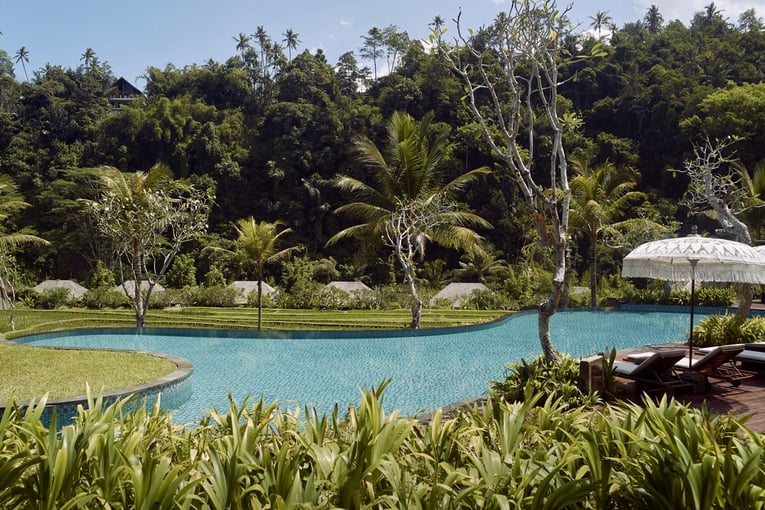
x=599, y=196
x=11, y=202
x=409, y=203
x=260, y=243
x=374, y=43
x=22, y=56
x=753, y=196
x=480, y=263
x=291, y=41
x=600, y=20
x=242, y=43
x=653, y=19
x=88, y=57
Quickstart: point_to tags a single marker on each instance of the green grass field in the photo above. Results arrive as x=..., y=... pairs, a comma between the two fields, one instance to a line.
x=41, y=321
x=31, y=372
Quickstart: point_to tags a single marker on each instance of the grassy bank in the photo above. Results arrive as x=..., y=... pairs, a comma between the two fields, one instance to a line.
x=42, y=321
x=30, y=372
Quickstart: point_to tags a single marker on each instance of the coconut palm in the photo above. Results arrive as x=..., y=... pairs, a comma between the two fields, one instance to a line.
x=11, y=202
x=260, y=243
x=291, y=41
x=600, y=20
x=599, y=197
x=481, y=263
x=653, y=19
x=88, y=57
x=242, y=43
x=22, y=57
x=409, y=203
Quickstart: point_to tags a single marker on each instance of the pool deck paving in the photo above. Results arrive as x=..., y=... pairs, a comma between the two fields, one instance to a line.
x=745, y=400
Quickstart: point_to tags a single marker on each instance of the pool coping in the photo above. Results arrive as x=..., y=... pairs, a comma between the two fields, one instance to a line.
x=183, y=370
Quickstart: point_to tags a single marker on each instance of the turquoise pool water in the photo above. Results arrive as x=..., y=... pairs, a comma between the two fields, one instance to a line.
x=428, y=369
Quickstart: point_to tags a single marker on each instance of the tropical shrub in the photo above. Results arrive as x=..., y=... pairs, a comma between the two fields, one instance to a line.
x=728, y=329
x=559, y=380
x=182, y=272
x=715, y=296
x=268, y=299
x=104, y=297
x=28, y=296
x=488, y=300
x=303, y=294
x=53, y=298
x=217, y=295
x=537, y=454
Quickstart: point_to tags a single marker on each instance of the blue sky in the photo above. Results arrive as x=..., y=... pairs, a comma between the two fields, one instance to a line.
x=134, y=35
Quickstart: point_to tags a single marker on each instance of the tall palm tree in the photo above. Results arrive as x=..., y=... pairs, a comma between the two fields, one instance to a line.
x=600, y=20
x=599, y=197
x=653, y=19
x=22, y=56
x=291, y=41
x=260, y=243
x=374, y=43
x=88, y=57
x=409, y=203
x=242, y=43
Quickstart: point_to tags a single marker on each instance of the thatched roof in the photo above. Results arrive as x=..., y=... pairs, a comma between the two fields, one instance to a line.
x=457, y=292
x=74, y=288
x=246, y=286
x=130, y=286
x=349, y=287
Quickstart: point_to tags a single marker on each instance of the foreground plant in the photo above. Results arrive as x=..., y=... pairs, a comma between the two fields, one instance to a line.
x=537, y=453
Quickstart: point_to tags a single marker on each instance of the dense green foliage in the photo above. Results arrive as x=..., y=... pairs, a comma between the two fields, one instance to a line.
x=256, y=455
x=538, y=376
x=728, y=329
x=270, y=133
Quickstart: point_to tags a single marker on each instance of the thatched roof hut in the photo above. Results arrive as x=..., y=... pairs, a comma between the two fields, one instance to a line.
x=75, y=289
x=246, y=286
x=349, y=287
x=130, y=286
x=456, y=293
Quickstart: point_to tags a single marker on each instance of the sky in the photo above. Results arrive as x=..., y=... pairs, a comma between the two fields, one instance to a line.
x=133, y=36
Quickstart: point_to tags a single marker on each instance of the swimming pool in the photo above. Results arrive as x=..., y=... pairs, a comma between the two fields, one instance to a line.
x=428, y=368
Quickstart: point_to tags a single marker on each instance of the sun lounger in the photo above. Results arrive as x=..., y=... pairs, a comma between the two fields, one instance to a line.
x=656, y=369
x=753, y=355
x=717, y=363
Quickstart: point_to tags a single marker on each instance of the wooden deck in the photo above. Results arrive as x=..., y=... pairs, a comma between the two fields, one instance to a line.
x=746, y=400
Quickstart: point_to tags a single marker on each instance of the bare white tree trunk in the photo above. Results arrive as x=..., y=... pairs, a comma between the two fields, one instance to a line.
x=714, y=185
x=511, y=74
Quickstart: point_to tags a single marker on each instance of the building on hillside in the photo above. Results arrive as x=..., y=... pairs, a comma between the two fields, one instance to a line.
x=122, y=93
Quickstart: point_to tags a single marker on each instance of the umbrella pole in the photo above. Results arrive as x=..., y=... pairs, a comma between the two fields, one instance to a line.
x=693, y=292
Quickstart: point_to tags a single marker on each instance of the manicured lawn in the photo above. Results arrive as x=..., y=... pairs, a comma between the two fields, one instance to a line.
x=30, y=372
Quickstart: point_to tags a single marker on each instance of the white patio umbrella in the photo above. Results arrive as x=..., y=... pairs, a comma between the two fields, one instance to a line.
x=695, y=258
